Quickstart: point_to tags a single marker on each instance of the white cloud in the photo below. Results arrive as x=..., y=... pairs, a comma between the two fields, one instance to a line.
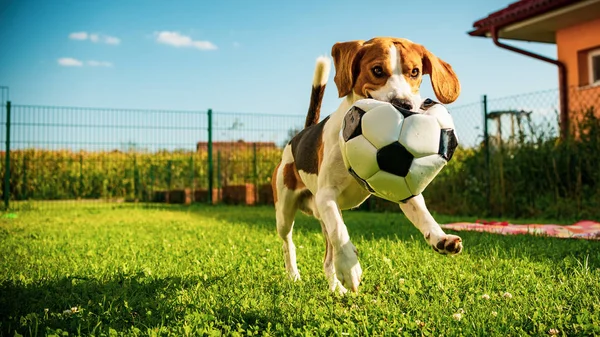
x=95, y=38
x=112, y=40
x=72, y=62
x=69, y=62
x=236, y=44
x=93, y=63
x=181, y=41
x=78, y=36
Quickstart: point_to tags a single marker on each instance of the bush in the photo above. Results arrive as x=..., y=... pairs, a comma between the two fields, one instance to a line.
x=132, y=175
x=538, y=176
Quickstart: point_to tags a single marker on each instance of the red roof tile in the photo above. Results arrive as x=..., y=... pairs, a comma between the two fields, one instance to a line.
x=516, y=12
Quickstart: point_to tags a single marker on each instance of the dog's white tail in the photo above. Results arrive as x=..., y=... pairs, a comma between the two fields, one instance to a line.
x=321, y=75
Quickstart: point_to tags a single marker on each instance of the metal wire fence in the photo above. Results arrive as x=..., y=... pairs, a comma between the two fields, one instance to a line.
x=524, y=167
x=520, y=117
x=101, y=155
x=149, y=157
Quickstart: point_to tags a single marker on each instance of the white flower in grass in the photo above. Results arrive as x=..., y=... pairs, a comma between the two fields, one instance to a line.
x=494, y=313
x=301, y=247
x=46, y=310
x=553, y=332
x=71, y=311
x=507, y=295
x=457, y=316
x=485, y=296
x=268, y=250
x=401, y=281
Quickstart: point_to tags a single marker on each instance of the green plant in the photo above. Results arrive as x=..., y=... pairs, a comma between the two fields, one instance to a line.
x=86, y=270
x=537, y=176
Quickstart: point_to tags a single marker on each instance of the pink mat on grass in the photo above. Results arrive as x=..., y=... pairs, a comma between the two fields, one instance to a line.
x=581, y=230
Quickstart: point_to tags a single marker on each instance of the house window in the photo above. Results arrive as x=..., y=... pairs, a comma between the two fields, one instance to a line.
x=594, y=66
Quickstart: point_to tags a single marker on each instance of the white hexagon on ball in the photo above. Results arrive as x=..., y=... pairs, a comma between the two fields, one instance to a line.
x=362, y=156
x=443, y=116
x=389, y=186
x=382, y=125
x=420, y=135
x=422, y=171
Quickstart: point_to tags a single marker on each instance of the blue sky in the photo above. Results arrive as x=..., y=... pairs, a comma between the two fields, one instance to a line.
x=238, y=56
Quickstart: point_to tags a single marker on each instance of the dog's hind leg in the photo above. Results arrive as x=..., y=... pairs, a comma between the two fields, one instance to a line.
x=286, y=206
x=285, y=214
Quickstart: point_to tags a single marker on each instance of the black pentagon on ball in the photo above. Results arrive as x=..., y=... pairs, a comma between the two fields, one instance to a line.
x=361, y=181
x=395, y=159
x=352, y=122
x=405, y=112
x=448, y=143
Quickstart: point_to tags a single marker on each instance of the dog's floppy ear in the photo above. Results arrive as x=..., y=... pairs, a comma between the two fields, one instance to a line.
x=443, y=79
x=343, y=54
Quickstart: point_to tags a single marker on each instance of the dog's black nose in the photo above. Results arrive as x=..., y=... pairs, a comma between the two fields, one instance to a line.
x=402, y=103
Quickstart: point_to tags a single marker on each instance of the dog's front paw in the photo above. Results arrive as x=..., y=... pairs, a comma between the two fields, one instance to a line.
x=337, y=285
x=447, y=244
x=347, y=268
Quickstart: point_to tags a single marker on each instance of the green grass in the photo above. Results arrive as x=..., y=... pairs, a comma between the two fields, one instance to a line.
x=219, y=270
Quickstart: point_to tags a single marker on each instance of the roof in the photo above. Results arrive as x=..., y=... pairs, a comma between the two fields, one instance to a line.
x=517, y=12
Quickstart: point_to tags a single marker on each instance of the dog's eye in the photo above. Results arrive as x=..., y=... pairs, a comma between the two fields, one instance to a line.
x=377, y=71
x=414, y=72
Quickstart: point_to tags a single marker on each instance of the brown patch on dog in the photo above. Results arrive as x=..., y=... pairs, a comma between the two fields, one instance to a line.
x=344, y=54
x=307, y=148
x=291, y=178
x=314, y=108
x=355, y=60
x=372, y=54
x=320, y=155
x=274, y=183
x=444, y=81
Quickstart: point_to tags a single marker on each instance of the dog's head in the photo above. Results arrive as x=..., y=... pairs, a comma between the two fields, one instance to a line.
x=391, y=70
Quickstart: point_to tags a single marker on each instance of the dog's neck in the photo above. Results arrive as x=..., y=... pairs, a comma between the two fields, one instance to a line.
x=346, y=104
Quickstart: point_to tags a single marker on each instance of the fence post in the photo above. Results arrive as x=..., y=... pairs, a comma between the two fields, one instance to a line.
x=210, y=158
x=219, y=177
x=136, y=179
x=7, y=157
x=255, y=173
x=169, y=177
x=23, y=195
x=80, y=175
x=192, y=187
x=486, y=144
x=152, y=181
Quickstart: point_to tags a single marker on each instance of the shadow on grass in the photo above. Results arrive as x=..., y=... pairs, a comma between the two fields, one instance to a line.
x=364, y=226
x=127, y=303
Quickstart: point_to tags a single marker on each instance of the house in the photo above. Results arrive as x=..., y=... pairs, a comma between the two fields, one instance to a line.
x=574, y=27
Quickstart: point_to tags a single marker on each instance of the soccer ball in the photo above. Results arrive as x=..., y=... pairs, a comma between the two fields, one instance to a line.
x=395, y=153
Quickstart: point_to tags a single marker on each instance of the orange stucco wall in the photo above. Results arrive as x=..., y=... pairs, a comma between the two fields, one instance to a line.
x=572, y=42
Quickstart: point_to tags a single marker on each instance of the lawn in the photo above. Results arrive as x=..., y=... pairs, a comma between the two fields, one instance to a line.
x=219, y=270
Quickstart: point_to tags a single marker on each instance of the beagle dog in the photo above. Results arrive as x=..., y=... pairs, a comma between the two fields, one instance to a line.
x=311, y=176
